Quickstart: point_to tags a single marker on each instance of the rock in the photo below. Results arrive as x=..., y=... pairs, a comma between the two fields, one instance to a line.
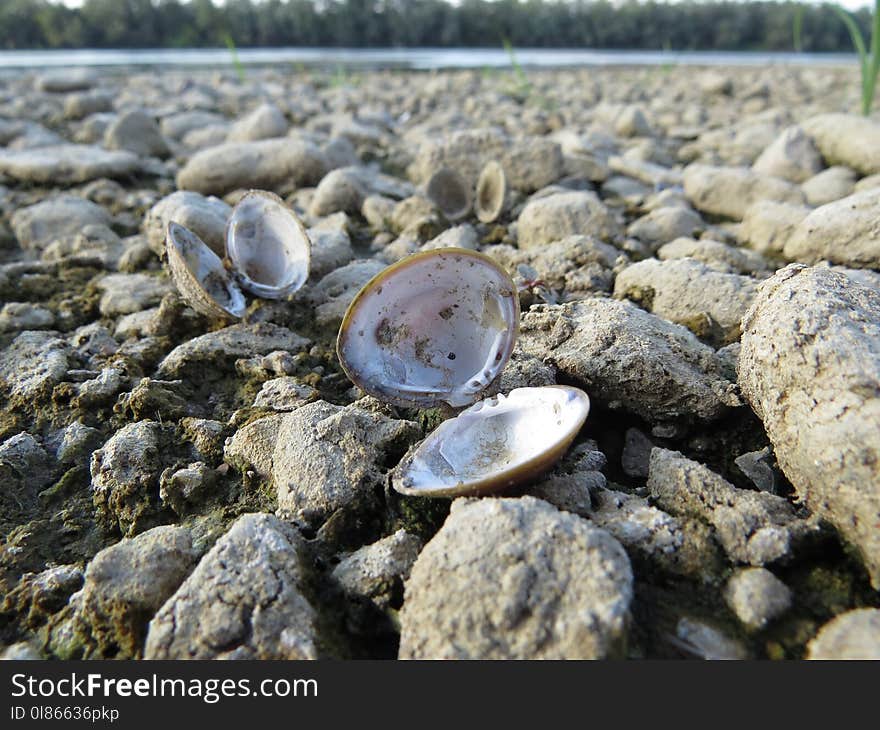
x=716, y=255
x=127, y=293
x=24, y=471
x=871, y=182
x=846, y=139
x=756, y=596
x=687, y=292
x=630, y=360
x=267, y=165
x=331, y=250
x=645, y=171
x=681, y=547
x=540, y=583
x=376, y=572
x=220, y=349
x=792, y=156
x=18, y=316
x=40, y=595
x=248, y=598
x=461, y=236
x=328, y=458
x=636, y=453
x=183, y=488
x=729, y=191
x=852, y=635
x=126, y=583
x=66, y=164
x=125, y=478
x=332, y=294
x=465, y=151
x=663, y=225
x=339, y=190
x=33, y=364
x=138, y=132
x=810, y=369
x=554, y=217
x=77, y=442
x=36, y=226
x=707, y=642
x=21, y=651
x=80, y=105
x=531, y=163
x=829, y=185
x=65, y=80
x=284, y=394
x=206, y=217
x=378, y=210
x=264, y=122
x=754, y=464
x=843, y=232
x=176, y=126
x=205, y=435
x=768, y=226
x=753, y=527
x=252, y=446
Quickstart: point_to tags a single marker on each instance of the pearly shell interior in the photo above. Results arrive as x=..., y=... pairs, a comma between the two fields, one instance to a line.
x=200, y=275
x=436, y=327
x=495, y=444
x=491, y=197
x=267, y=246
x=450, y=193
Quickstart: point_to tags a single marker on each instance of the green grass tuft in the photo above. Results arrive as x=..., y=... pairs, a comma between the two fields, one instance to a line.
x=869, y=61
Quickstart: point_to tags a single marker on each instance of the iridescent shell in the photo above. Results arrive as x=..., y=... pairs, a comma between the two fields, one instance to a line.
x=492, y=197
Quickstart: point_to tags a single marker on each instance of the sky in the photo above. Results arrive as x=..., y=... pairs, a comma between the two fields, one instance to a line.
x=848, y=4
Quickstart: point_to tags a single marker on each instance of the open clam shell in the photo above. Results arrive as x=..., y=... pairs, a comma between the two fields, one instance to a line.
x=267, y=246
x=200, y=276
x=450, y=193
x=492, y=194
x=436, y=327
x=495, y=444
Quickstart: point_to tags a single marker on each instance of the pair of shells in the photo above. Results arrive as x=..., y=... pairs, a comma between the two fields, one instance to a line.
x=267, y=254
x=452, y=195
x=439, y=327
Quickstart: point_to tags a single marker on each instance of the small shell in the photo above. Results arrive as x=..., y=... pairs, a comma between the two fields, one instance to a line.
x=494, y=444
x=437, y=326
x=267, y=246
x=491, y=193
x=450, y=193
x=200, y=275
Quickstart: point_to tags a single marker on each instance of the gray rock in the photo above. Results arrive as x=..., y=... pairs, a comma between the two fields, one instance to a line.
x=138, y=132
x=25, y=469
x=540, y=583
x=176, y=126
x=332, y=295
x=77, y=441
x=125, y=478
x=18, y=316
x=687, y=292
x=378, y=210
x=663, y=225
x=66, y=164
x=21, y=651
x=284, y=394
x=33, y=364
x=267, y=165
x=852, y=635
x=264, y=122
x=182, y=489
x=554, y=217
x=756, y=596
x=792, y=156
x=716, y=255
x=461, y=236
x=729, y=191
x=464, y=151
x=252, y=446
x=810, y=368
x=531, y=163
x=127, y=293
x=38, y=225
x=847, y=139
x=644, y=171
x=204, y=216
x=842, y=232
x=80, y=105
x=339, y=190
x=829, y=185
x=220, y=349
x=707, y=642
x=629, y=359
x=753, y=527
x=377, y=572
x=65, y=80
x=754, y=464
x=331, y=250
x=126, y=583
x=246, y=599
x=329, y=458
x=636, y=453
x=768, y=226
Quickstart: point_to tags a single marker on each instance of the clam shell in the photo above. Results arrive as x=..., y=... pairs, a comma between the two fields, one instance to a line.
x=267, y=246
x=436, y=327
x=200, y=276
x=450, y=193
x=495, y=444
x=491, y=198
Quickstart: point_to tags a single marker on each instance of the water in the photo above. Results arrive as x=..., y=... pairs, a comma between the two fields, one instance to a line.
x=406, y=58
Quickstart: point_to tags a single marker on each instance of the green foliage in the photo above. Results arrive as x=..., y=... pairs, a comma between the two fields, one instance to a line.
x=233, y=52
x=687, y=25
x=869, y=60
x=797, y=29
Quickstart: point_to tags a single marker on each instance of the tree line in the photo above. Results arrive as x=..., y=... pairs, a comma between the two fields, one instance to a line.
x=689, y=25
